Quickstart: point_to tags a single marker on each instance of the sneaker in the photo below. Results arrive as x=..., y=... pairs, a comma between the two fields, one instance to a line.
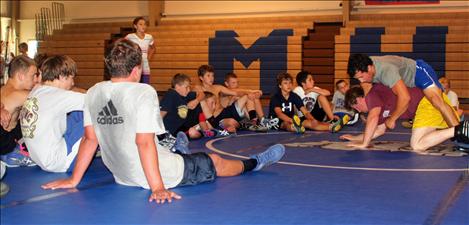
x=258, y=128
x=271, y=123
x=245, y=124
x=297, y=126
x=461, y=132
x=17, y=158
x=208, y=133
x=221, y=133
x=168, y=141
x=345, y=119
x=182, y=143
x=270, y=156
x=4, y=189
x=354, y=120
x=463, y=147
x=336, y=126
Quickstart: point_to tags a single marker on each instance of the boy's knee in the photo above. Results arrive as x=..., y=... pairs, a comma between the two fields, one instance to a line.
x=230, y=125
x=217, y=160
x=193, y=133
x=416, y=147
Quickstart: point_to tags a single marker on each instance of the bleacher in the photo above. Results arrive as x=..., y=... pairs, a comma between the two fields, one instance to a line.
x=184, y=45
x=85, y=43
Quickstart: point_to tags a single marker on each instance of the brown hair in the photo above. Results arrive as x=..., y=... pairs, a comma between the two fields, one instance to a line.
x=339, y=82
x=204, y=69
x=351, y=96
x=229, y=76
x=180, y=79
x=283, y=76
x=138, y=19
x=56, y=66
x=122, y=58
x=20, y=64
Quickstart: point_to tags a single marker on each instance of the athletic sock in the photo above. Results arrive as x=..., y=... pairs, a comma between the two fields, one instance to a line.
x=252, y=114
x=249, y=164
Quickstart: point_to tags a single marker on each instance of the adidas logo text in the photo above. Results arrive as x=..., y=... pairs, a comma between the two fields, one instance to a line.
x=109, y=115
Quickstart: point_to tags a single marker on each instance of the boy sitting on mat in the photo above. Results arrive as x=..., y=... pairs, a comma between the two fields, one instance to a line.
x=180, y=108
x=429, y=127
x=23, y=76
x=284, y=105
x=52, y=116
x=255, y=119
x=223, y=117
x=314, y=98
x=127, y=137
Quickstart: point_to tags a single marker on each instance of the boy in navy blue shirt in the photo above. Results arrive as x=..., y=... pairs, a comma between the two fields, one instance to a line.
x=180, y=108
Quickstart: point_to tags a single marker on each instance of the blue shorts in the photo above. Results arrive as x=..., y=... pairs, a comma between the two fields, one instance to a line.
x=74, y=132
x=425, y=76
x=198, y=168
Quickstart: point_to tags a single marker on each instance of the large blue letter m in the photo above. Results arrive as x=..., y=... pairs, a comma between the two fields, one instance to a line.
x=271, y=51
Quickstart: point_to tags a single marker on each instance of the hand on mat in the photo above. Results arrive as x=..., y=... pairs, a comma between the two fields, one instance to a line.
x=62, y=183
x=160, y=196
x=348, y=137
x=390, y=123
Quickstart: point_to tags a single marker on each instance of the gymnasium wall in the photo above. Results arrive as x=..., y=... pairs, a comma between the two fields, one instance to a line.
x=251, y=8
x=80, y=12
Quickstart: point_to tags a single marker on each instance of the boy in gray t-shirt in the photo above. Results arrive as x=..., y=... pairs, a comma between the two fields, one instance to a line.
x=338, y=103
x=398, y=73
x=123, y=116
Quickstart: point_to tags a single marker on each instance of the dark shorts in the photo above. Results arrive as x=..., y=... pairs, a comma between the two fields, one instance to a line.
x=191, y=120
x=425, y=76
x=318, y=113
x=198, y=168
x=8, y=140
x=228, y=112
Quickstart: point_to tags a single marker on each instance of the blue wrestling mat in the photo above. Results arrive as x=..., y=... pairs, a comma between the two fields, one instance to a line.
x=319, y=181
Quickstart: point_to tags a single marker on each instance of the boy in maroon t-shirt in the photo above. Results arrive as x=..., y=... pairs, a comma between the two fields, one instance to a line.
x=380, y=102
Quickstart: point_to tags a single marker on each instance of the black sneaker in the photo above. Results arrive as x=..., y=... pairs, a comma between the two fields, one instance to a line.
x=461, y=132
x=245, y=123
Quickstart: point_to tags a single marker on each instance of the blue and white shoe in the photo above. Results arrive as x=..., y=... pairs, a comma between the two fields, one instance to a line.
x=271, y=123
x=17, y=158
x=221, y=133
x=270, y=156
x=168, y=141
x=182, y=143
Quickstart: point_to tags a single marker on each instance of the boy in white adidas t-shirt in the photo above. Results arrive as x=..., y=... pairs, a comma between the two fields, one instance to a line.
x=52, y=116
x=123, y=116
x=145, y=42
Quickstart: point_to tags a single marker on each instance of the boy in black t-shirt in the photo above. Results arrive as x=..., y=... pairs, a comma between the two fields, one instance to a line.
x=180, y=108
x=282, y=105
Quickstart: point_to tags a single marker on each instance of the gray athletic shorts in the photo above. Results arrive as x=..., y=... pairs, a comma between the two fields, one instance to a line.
x=198, y=168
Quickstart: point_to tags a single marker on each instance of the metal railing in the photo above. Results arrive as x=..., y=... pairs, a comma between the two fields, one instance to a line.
x=49, y=19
